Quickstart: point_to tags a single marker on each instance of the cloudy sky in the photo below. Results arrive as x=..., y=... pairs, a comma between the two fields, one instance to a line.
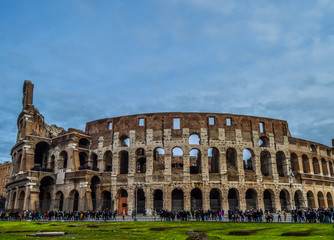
x=97, y=59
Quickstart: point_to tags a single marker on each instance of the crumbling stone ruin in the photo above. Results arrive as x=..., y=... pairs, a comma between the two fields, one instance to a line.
x=166, y=160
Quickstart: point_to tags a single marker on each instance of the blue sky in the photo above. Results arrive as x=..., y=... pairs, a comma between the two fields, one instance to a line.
x=97, y=59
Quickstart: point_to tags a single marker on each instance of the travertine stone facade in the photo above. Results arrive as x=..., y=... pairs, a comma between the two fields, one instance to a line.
x=166, y=160
x=5, y=169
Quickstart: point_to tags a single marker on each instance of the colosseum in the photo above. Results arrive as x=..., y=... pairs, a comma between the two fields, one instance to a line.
x=166, y=160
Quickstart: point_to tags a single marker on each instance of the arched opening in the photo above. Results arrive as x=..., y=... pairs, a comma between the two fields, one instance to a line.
x=93, y=159
x=106, y=195
x=321, y=200
x=177, y=159
x=213, y=155
x=107, y=158
x=13, y=201
x=83, y=160
x=59, y=205
x=329, y=200
x=331, y=169
x=251, y=199
x=124, y=162
x=265, y=159
x=52, y=162
x=264, y=141
x=324, y=167
x=298, y=199
x=306, y=164
x=313, y=148
x=233, y=199
x=140, y=200
x=215, y=203
x=177, y=200
x=84, y=143
x=63, y=159
x=17, y=160
x=316, y=168
x=20, y=200
x=280, y=163
x=284, y=200
x=159, y=159
x=45, y=190
x=328, y=152
x=269, y=200
x=141, y=160
x=158, y=200
x=125, y=141
x=194, y=139
x=123, y=202
x=76, y=201
x=41, y=156
x=310, y=200
x=196, y=199
x=231, y=158
x=195, y=161
x=249, y=160
x=95, y=183
x=294, y=162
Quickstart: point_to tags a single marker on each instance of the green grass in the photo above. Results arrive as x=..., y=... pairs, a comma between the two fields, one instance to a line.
x=167, y=230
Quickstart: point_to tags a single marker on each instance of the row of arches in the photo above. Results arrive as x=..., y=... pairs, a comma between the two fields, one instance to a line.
x=322, y=166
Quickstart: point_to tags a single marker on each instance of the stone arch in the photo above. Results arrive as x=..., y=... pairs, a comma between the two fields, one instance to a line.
x=284, y=198
x=329, y=200
x=281, y=163
x=177, y=200
x=140, y=197
x=106, y=196
x=299, y=200
x=233, y=199
x=321, y=200
x=310, y=200
x=306, y=164
x=41, y=155
x=107, y=159
x=45, y=191
x=324, y=167
x=177, y=158
x=20, y=201
x=196, y=199
x=265, y=159
x=52, y=162
x=294, y=162
x=264, y=141
x=313, y=148
x=269, y=200
x=124, y=162
x=124, y=141
x=83, y=157
x=215, y=199
x=195, y=161
x=122, y=202
x=140, y=160
x=59, y=203
x=159, y=159
x=251, y=199
x=231, y=158
x=249, y=159
x=316, y=168
x=84, y=143
x=74, y=200
x=158, y=200
x=94, y=186
x=194, y=139
x=330, y=165
x=214, y=162
x=93, y=159
x=13, y=201
x=63, y=159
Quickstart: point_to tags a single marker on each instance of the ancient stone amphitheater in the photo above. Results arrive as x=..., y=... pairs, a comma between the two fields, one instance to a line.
x=166, y=160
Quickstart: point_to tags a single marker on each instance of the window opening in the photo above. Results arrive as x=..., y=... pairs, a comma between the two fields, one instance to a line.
x=211, y=120
x=228, y=121
x=141, y=122
x=176, y=123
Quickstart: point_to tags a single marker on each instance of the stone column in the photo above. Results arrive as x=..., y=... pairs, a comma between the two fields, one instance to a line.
x=310, y=163
x=320, y=167
x=240, y=165
x=149, y=166
x=168, y=165
x=131, y=200
x=167, y=198
x=206, y=197
x=186, y=167
x=205, y=165
x=257, y=159
x=148, y=201
x=187, y=199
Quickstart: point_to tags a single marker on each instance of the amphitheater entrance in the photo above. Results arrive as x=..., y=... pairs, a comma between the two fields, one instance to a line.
x=21, y=201
x=177, y=200
x=123, y=202
x=329, y=200
x=73, y=201
x=268, y=199
x=196, y=199
x=233, y=199
x=45, y=190
x=321, y=200
x=59, y=203
x=215, y=203
x=284, y=200
x=213, y=155
x=106, y=195
x=95, y=183
x=310, y=200
x=140, y=200
x=158, y=200
x=251, y=199
x=298, y=199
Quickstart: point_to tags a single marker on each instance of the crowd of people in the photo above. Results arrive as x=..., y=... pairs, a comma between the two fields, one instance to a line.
x=251, y=215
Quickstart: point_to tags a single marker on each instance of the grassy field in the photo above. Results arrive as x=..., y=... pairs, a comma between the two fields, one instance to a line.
x=167, y=230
